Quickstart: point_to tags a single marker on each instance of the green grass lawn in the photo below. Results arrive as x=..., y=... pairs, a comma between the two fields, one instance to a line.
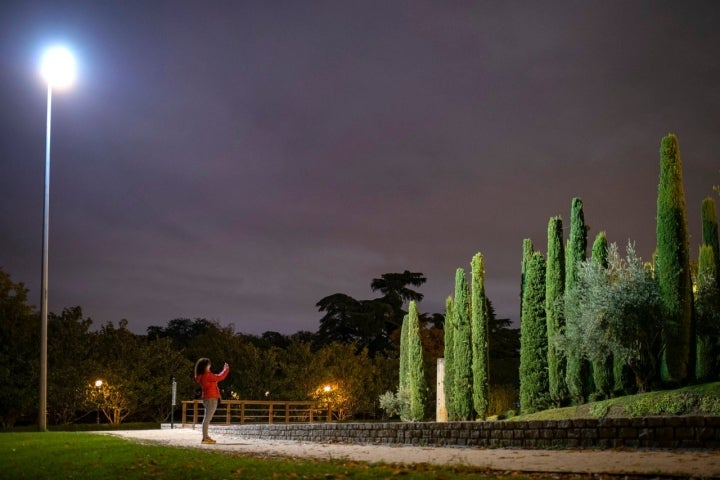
x=693, y=400
x=80, y=455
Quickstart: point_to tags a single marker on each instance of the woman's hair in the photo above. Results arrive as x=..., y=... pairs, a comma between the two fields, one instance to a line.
x=201, y=366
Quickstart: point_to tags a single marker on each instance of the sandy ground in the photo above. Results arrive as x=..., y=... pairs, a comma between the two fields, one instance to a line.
x=705, y=464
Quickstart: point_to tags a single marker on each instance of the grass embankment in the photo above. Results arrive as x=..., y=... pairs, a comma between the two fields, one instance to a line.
x=90, y=456
x=699, y=400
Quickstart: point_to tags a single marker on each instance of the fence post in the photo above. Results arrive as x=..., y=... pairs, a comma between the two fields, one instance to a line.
x=173, y=391
x=270, y=413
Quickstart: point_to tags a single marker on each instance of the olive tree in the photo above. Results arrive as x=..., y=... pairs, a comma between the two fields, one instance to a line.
x=620, y=314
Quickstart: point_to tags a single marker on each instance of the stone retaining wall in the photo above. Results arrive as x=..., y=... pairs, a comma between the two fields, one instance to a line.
x=648, y=432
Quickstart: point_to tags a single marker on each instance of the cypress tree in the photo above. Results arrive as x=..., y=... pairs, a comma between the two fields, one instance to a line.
x=528, y=250
x=480, y=338
x=602, y=371
x=577, y=369
x=462, y=361
x=533, y=339
x=599, y=255
x=673, y=264
x=403, y=383
x=707, y=306
x=554, y=290
x=710, y=232
x=449, y=339
x=577, y=243
x=415, y=369
x=710, y=301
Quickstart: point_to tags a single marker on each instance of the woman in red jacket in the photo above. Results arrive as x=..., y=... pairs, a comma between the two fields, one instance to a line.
x=210, y=392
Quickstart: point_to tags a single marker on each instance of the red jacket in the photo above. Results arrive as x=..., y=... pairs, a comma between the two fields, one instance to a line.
x=209, y=381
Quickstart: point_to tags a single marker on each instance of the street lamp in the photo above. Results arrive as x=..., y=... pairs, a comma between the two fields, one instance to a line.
x=58, y=70
x=328, y=401
x=98, y=384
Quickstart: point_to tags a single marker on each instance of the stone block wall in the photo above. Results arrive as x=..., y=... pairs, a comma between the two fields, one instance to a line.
x=648, y=432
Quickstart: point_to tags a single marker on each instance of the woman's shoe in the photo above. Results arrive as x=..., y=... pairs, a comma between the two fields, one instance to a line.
x=208, y=441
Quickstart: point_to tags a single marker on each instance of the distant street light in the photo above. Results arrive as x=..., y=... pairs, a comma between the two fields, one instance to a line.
x=58, y=70
x=98, y=384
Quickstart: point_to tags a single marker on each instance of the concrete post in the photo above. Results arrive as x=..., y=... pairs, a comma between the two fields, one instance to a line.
x=441, y=414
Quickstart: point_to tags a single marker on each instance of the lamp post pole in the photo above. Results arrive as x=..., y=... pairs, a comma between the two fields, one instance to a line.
x=42, y=420
x=58, y=69
x=98, y=384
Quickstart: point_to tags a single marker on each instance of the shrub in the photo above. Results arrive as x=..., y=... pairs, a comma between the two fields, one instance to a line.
x=389, y=403
x=396, y=404
x=665, y=404
x=599, y=409
x=710, y=405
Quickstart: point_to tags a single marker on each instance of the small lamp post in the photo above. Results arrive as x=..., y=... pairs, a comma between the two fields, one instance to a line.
x=327, y=389
x=98, y=384
x=173, y=394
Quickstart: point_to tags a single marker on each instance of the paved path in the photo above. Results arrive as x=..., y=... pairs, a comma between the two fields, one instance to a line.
x=683, y=463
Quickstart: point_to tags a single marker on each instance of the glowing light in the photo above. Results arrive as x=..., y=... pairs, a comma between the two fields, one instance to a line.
x=327, y=388
x=98, y=383
x=58, y=67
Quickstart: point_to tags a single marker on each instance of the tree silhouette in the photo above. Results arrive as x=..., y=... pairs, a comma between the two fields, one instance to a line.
x=348, y=320
x=369, y=323
x=394, y=287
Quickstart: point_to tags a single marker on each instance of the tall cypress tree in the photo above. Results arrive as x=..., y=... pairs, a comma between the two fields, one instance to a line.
x=533, y=339
x=708, y=298
x=602, y=371
x=449, y=368
x=403, y=383
x=577, y=370
x=527, y=252
x=673, y=264
x=462, y=360
x=710, y=232
x=554, y=290
x=480, y=338
x=415, y=368
x=707, y=307
x=577, y=243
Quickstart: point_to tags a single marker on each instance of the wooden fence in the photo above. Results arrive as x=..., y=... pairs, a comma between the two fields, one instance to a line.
x=231, y=412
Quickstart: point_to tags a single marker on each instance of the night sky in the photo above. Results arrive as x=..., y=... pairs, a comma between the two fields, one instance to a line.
x=239, y=161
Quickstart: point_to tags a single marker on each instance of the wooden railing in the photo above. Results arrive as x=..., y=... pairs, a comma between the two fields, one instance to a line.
x=255, y=411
